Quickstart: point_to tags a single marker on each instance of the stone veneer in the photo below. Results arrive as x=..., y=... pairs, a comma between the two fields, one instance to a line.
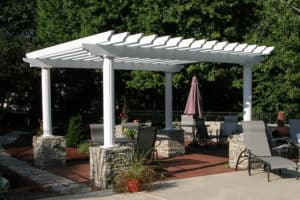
x=49, y=151
x=105, y=163
x=236, y=146
x=170, y=143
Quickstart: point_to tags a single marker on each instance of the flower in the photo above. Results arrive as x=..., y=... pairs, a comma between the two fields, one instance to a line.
x=122, y=115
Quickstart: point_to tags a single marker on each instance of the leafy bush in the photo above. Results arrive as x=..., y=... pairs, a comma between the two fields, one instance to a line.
x=84, y=148
x=73, y=137
x=130, y=132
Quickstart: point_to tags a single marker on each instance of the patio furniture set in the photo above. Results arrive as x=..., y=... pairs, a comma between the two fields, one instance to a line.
x=208, y=131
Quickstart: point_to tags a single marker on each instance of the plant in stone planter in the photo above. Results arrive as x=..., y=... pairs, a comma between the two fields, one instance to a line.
x=130, y=132
x=137, y=175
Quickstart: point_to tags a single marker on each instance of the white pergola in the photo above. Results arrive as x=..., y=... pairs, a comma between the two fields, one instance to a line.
x=111, y=51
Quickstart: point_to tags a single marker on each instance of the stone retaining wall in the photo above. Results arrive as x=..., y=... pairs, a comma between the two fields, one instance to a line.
x=49, y=151
x=170, y=143
x=105, y=163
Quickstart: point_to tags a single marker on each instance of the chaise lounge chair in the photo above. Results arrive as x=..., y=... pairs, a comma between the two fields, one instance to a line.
x=258, y=148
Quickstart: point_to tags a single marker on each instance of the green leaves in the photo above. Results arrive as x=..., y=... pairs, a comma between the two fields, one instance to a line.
x=277, y=80
x=142, y=80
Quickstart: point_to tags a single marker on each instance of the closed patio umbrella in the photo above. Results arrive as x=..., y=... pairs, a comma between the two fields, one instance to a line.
x=193, y=105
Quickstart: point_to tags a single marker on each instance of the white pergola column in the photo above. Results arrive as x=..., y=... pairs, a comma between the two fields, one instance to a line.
x=108, y=102
x=247, y=93
x=46, y=102
x=168, y=101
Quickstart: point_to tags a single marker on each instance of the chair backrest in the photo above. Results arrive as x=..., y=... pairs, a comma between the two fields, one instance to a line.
x=201, y=130
x=230, y=125
x=146, y=138
x=97, y=133
x=294, y=127
x=255, y=138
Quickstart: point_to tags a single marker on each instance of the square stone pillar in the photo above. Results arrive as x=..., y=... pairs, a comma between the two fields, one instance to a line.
x=49, y=151
x=170, y=143
x=236, y=146
x=105, y=163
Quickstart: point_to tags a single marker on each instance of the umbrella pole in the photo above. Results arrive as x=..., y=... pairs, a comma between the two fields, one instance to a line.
x=194, y=130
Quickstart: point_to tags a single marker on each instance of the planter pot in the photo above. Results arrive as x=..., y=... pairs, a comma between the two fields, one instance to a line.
x=133, y=185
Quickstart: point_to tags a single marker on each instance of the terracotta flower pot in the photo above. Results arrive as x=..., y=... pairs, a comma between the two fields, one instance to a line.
x=133, y=185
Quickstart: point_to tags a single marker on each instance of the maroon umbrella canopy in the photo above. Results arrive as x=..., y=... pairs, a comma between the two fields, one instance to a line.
x=193, y=104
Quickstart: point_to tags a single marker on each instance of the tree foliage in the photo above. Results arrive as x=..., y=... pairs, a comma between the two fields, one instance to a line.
x=26, y=25
x=17, y=30
x=277, y=81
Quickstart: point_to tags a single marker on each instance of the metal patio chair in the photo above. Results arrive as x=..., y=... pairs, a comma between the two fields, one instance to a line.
x=97, y=134
x=146, y=141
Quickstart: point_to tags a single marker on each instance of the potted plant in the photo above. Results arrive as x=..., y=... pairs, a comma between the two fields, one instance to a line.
x=137, y=175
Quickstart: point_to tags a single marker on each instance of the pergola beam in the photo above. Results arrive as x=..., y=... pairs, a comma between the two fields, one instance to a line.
x=173, y=54
x=77, y=64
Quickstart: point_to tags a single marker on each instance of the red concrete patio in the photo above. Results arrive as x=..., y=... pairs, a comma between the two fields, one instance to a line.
x=198, y=161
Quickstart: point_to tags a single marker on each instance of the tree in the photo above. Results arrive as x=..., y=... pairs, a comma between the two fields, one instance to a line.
x=277, y=80
x=17, y=31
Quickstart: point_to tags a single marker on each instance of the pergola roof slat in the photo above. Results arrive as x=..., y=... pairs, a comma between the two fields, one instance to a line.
x=240, y=47
x=259, y=49
x=145, y=41
x=186, y=43
x=267, y=50
x=220, y=46
x=250, y=48
x=160, y=41
x=71, y=45
x=230, y=46
x=147, y=50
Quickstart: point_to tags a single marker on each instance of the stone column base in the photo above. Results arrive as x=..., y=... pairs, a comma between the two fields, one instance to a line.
x=49, y=151
x=236, y=146
x=170, y=143
x=105, y=163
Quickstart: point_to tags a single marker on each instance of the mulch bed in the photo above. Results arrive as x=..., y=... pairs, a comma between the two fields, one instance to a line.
x=26, y=153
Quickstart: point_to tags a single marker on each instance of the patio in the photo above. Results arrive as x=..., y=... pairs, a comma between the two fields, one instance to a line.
x=233, y=185
x=198, y=161
x=112, y=51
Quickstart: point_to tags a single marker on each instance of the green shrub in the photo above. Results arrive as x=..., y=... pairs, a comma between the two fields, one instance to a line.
x=130, y=132
x=73, y=137
x=84, y=148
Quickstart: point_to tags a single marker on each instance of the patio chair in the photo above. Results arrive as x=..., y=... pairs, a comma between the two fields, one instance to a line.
x=202, y=133
x=294, y=129
x=291, y=143
x=146, y=141
x=229, y=126
x=258, y=148
x=97, y=134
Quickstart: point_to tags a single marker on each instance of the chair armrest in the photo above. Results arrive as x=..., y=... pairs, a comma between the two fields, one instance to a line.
x=283, y=139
